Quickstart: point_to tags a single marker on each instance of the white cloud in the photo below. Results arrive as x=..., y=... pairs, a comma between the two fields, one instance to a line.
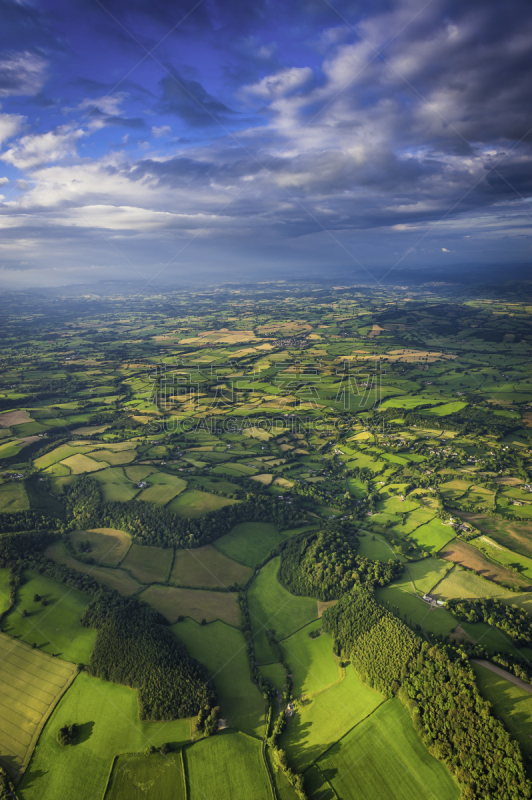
x=444, y=250
x=10, y=124
x=162, y=131
x=279, y=85
x=108, y=104
x=22, y=74
x=37, y=148
x=4, y=181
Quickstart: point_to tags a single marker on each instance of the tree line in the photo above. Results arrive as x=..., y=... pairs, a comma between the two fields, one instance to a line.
x=508, y=618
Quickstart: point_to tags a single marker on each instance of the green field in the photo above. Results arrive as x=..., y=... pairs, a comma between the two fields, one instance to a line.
x=13, y=497
x=79, y=463
x=117, y=579
x=501, y=555
x=206, y=567
x=162, y=488
x=376, y=549
x=109, y=546
x=511, y=703
x=4, y=589
x=115, y=486
x=138, y=776
x=446, y=408
x=318, y=723
x=313, y=665
x=272, y=606
x=31, y=683
x=228, y=765
x=462, y=583
x=108, y=717
x=383, y=757
x=250, y=542
x=114, y=458
x=427, y=573
x=198, y=604
x=192, y=503
x=148, y=564
x=432, y=536
x=55, y=627
x=223, y=651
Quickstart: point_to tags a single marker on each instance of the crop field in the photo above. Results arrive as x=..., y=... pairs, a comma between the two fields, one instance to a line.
x=148, y=564
x=54, y=627
x=79, y=463
x=198, y=604
x=109, y=546
x=114, y=458
x=250, y=542
x=162, y=489
x=384, y=757
x=31, y=683
x=138, y=776
x=108, y=720
x=207, y=567
x=510, y=702
x=318, y=723
x=466, y=555
x=223, y=651
x=13, y=497
x=272, y=606
x=192, y=503
x=314, y=668
x=208, y=775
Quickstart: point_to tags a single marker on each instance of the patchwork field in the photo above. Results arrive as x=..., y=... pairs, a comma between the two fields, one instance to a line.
x=228, y=765
x=272, y=606
x=318, y=723
x=137, y=776
x=162, y=488
x=117, y=579
x=195, y=603
x=384, y=757
x=108, y=719
x=207, y=567
x=250, y=542
x=53, y=627
x=115, y=486
x=31, y=683
x=223, y=651
x=460, y=552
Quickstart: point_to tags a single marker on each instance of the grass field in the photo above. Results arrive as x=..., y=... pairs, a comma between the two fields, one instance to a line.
x=30, y=685
x=13, y=497
x=114, y=486
x=376, y=549
x=148, y=564
x=4, y=588
x=192, y=503
x=195, y=603
x=313, y=665
x=109, y=546
x=462, y=583
x=514, y=535
x=320, y=722
x=511, y=703
x=79, y=463
x=223, y=651
x=108, y=717
x=138, y=776
x=162, y=489
x=507, y=558
x=432, y=536
x=228, y=765
x=384, y=757
x=272, y=606
x=250, y=542
x=206, y=566
x=427, y=573
x=114, y=458
x=55, y=627
x=275, y=673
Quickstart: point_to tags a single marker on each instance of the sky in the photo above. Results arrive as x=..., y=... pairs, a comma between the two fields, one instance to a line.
x=166, y=141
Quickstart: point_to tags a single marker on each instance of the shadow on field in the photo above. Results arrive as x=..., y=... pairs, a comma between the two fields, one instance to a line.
x=84, y=732
x=31, y=776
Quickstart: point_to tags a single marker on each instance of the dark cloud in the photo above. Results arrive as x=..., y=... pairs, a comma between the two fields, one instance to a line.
x=190, y=101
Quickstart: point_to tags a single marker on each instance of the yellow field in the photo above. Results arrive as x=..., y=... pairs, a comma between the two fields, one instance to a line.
x=109, y=546
x=114, y=458
x=31, y=683
x=195, y=603
x=80, y=463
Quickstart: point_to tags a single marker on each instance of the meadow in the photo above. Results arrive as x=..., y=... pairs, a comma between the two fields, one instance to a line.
x=228, y=765
x=512, y=703
x=250, y=542
x=148, y=564
x=108, y=546
x=223, y=651
x=192, y=503
x=384, y=757
x=114, y=578
x=207, y=567
x=108, y=720
x=138, y=776
x=272, y=606
x=313, y=666
x=31, y=683
x=198, y=604
x=13, y=497
x=53, y=627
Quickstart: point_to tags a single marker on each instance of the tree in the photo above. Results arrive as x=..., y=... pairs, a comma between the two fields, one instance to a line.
x=67, y=734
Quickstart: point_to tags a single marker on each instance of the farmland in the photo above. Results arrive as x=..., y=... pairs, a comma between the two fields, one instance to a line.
x=188, y=501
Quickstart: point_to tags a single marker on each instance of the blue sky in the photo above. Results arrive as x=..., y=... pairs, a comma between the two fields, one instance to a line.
x=163, y=140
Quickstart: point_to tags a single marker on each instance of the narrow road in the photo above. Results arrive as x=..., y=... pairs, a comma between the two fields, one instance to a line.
x=504, y=674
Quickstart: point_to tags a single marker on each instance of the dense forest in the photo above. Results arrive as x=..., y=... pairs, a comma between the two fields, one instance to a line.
x=135, y=648
x=439, y=690
x=326, y=565
x=153, y=525
x=509, y=618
